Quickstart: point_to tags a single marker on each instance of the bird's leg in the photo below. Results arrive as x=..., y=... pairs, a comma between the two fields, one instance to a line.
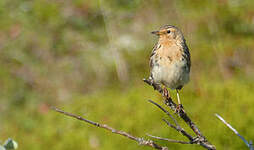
x=178, y=97
x=166, y=93
x=179, y=105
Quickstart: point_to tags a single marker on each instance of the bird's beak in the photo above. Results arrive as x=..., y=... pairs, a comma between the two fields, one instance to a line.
x=156, y=32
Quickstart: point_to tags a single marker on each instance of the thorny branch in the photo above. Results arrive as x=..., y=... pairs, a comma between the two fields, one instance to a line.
x=200, y=138
x=140, y=141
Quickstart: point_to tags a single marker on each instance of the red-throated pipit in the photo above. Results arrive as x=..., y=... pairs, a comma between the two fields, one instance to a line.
x=170, y=59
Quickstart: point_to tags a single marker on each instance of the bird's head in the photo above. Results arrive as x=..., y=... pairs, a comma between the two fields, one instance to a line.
x=169, y=32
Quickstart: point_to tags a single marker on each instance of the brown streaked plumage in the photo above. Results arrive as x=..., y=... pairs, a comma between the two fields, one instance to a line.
x=170, y=59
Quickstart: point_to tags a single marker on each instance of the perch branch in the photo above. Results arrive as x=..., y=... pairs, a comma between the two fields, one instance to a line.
x=177, y=127
x=249, y=144
x=192, y=140
x=200, y=139
x=141, y=141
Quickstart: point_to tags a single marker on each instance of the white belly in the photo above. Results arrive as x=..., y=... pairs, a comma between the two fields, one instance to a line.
x=173, y=75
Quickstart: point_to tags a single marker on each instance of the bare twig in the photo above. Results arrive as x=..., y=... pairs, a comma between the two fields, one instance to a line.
x=141, y=141
x=164, y=110
x=169, y=140
x=249, y=144
x=181, y=130
x=200, y=139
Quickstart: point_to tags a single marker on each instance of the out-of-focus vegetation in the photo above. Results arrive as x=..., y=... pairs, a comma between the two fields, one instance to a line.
x=9, y=144
x=88, y=57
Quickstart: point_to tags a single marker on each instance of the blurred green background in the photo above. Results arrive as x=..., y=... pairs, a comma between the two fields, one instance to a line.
x=89, y=57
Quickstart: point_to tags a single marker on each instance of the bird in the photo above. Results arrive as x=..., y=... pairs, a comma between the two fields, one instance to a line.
x=170, y=60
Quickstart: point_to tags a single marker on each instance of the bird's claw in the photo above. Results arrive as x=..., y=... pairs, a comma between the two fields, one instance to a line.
x=166, y=93
x=179, y=108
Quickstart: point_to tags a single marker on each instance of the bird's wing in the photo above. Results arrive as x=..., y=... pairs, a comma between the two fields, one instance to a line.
x=156, y=46
x=186, y=55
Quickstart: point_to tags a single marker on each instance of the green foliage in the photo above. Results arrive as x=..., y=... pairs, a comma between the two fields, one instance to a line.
x=71, y=54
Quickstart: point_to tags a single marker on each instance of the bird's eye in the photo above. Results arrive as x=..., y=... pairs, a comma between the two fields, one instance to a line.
x=168, y=31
